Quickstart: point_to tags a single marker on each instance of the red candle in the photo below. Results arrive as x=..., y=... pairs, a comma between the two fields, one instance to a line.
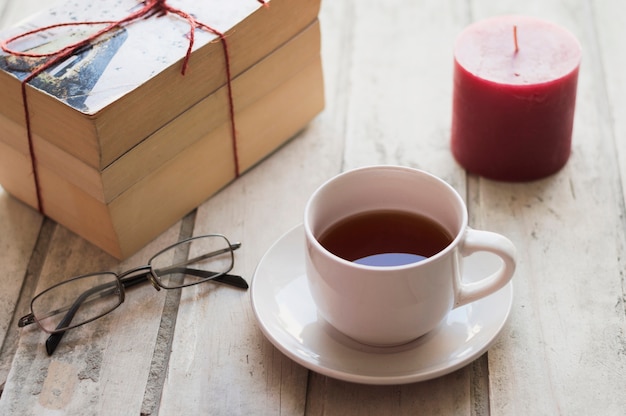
x=514, y=95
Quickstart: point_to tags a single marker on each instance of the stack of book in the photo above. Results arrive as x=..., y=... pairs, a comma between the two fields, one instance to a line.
x=121, y=143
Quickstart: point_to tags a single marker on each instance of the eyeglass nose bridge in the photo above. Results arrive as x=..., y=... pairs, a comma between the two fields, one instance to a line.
x=139, y=273
x=153, y=281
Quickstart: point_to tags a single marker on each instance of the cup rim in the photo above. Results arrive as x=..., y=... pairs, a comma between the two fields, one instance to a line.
x=455, y=242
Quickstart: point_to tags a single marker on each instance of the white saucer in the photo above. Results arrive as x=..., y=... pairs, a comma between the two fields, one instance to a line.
x=288, y=317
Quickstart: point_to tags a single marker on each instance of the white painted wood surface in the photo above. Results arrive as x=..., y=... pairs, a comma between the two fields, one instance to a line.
x=388, y=74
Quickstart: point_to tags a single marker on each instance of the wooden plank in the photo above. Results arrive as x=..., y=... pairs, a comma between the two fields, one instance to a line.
x=19, y=229
x=608, y=44
x=399, y=112
x=563, y=351
x=448, y=395
x=238, y=370
x=401, y=86
x=103, y=366
x=226, y=349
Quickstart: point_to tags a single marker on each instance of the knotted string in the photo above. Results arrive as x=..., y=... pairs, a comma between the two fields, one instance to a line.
x=149, y=8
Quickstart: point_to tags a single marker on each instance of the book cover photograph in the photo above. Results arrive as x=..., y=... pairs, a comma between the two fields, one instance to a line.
x=99, y=73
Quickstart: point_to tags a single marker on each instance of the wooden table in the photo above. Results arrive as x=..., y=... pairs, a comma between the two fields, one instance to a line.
x=388, y=74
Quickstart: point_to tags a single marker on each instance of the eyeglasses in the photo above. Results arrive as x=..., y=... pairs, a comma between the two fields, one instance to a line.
x=85, y=298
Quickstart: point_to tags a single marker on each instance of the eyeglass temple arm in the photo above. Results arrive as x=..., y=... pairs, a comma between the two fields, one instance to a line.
x=229, y=279
x=54, y=339
x=233, y=247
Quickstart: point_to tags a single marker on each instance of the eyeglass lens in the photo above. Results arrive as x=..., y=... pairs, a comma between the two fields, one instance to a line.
x=77, y=301
x=192, y=261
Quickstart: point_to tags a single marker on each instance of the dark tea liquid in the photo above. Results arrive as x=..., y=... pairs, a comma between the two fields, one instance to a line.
x=385, y=238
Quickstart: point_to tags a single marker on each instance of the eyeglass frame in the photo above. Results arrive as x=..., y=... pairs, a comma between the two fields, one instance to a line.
x=145, y=272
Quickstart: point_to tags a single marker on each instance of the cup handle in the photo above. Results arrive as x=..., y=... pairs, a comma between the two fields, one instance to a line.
x=478, y=240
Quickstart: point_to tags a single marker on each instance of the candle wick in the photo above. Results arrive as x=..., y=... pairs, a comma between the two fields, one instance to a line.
x=515, y=38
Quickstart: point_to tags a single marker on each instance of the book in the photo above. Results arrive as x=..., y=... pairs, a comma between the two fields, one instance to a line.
x=110, y=96
x=172, y=138
x=124, y=144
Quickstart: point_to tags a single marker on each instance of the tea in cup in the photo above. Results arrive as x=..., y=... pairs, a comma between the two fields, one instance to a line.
x=384, y=253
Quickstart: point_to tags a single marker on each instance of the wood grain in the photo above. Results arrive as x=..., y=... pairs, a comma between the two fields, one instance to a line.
x=388, y=86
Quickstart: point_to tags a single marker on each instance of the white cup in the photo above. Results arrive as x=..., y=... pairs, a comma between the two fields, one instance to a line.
x=393, y=305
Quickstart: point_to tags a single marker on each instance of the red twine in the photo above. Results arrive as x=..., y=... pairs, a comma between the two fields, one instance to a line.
x=150, y=7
